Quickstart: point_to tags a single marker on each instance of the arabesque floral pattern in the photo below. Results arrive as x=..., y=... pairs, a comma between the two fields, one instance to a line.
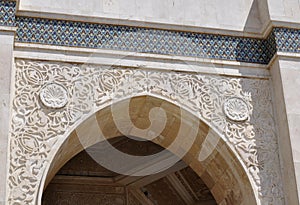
x=35, y=130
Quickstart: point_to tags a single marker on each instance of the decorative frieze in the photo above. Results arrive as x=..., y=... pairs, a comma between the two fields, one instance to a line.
x=144, y=40
x=147, y=40
x=287, y=40
x=7, y=13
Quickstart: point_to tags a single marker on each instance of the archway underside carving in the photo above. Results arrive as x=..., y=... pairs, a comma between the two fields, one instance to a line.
x=38, y=131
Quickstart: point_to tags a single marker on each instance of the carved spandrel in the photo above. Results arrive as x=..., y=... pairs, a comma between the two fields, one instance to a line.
x=36, y=130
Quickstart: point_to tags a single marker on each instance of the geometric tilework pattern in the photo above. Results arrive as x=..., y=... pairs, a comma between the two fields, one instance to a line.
x=7, y=13
x=148, y=40
x=145, y=40
x=287, y=40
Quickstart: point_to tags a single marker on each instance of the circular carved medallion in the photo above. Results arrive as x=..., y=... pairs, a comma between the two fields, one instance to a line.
x=236, y=109
x=54, y=95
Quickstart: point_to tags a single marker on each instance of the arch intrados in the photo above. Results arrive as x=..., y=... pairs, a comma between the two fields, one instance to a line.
x=230, y=167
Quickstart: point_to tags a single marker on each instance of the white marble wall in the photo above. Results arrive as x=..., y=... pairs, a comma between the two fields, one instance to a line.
x=250, y=16
x=285, y=10
x=286, y=81
x=6, y=56
x=217, y=14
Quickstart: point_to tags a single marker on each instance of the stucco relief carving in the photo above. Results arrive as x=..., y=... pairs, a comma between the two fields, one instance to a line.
x=54, y=95
x=236, y=109
x=35, y=129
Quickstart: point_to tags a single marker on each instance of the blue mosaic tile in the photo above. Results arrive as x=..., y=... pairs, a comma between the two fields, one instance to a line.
x=145, y=40
x=287, y=40
x=7, y=13
x=270, y=43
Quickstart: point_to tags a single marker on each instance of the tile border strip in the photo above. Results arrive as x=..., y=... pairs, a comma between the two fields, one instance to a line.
x=149, y=40
x=8, y=13
x=144, y=40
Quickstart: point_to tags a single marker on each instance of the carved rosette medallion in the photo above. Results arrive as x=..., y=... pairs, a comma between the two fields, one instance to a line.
x=236, y=109
x=54, y=95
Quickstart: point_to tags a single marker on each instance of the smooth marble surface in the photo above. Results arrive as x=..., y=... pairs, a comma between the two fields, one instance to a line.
x=243, y=15
x=6, y=59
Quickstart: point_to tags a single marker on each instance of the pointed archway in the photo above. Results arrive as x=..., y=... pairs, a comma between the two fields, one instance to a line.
x=171, y=127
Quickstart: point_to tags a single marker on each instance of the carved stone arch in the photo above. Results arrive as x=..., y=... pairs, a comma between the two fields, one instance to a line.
x=219, y=166
x=43, y=117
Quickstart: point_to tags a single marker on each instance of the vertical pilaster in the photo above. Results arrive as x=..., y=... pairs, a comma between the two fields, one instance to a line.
x=286, y=84
x=7, y=32
x=6, y=59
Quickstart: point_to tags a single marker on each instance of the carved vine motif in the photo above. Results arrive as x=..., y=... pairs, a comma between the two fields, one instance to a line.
x=35, y=129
